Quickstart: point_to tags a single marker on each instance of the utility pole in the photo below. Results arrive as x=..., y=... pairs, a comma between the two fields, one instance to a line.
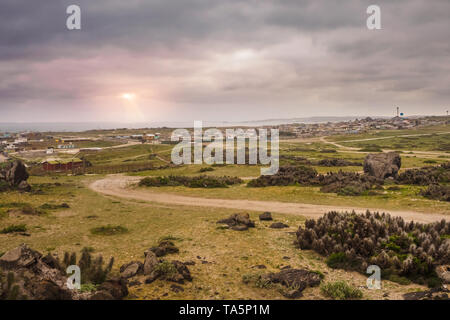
x=398, y=111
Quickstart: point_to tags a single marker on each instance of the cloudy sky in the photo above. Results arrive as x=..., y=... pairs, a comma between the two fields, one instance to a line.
x=180, y=60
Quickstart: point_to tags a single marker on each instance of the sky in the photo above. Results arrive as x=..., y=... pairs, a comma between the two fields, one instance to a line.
x=217, y=60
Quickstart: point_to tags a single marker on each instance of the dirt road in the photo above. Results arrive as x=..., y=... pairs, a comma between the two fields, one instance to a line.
x=120, y=186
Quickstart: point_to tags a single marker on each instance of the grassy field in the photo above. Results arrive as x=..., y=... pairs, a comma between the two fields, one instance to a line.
x=222, y=257
x=406, y=198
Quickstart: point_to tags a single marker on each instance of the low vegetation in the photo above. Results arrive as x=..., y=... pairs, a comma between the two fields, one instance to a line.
x=190, y=182
x=109, y=230
x=342, y=183
x=340, y=290
x=14, y=228
x=353, y=242
x=92, y=268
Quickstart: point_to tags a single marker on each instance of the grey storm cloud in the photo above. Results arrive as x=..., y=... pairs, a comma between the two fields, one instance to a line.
x=273, y=58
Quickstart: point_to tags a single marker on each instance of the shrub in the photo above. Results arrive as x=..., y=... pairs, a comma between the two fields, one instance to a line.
x=166, y=269
x=92, y=270
x=352, y=241
x=437, y=192
x=109, y=230
x=14, y=228
x=426, y=175
x=206, y=169
x=190, y=182
x=371, y=148
x=340, y=290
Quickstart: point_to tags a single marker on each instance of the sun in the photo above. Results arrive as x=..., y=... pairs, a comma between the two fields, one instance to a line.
x=128, y=96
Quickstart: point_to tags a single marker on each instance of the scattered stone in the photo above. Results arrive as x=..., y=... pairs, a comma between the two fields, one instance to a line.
x=382, y=165
x=175, y=288
x=238, y=222
x=189, y=263
x=278, y=225
x=131, y=269
x=440, y=293
x=286, y=258
x=266, y=216
x=259, y=266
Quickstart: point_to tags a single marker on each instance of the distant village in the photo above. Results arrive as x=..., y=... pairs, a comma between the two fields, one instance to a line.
x=49, y=146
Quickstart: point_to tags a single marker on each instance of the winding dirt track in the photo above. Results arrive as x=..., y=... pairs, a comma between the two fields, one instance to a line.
x=119, y=186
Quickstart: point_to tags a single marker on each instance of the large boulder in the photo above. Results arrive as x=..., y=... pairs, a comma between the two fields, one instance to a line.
x=16, y=173
x=382, y=165
x=150, y=262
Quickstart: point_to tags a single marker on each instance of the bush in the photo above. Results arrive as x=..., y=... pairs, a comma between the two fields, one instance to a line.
x=92, y=270
x=343, y=183
x=437, y=192
x=352, y=241
x=190, y=182
x=206, y=169
x=426, y=175
x=109, y=230
x=340, y=290
x=14, y=228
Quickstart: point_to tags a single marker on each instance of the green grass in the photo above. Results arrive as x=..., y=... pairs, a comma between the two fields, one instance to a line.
x=340, y=290
x=109, y=230
x=14, y=228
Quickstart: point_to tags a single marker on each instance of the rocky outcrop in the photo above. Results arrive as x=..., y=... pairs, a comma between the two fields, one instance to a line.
x=294, y=280
x=15, y=175
x=238, y=222
x=382, y=165
x=441, y=293
x=26, y=274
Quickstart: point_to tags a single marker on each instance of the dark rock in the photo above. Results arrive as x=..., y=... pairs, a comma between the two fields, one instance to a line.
x=278, y=225
x=164, y=248
x=432, y=294
x=296, y=280
x=175, y=288
x=189, y=263
x=183, y=270
x=101, y=295
x=382, y=165
x=16, y=173
x=238, y=222
x=51, y=262
x=117, y=288
x=266, y=216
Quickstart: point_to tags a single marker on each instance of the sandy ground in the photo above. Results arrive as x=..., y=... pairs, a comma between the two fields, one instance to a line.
x=120, y=186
